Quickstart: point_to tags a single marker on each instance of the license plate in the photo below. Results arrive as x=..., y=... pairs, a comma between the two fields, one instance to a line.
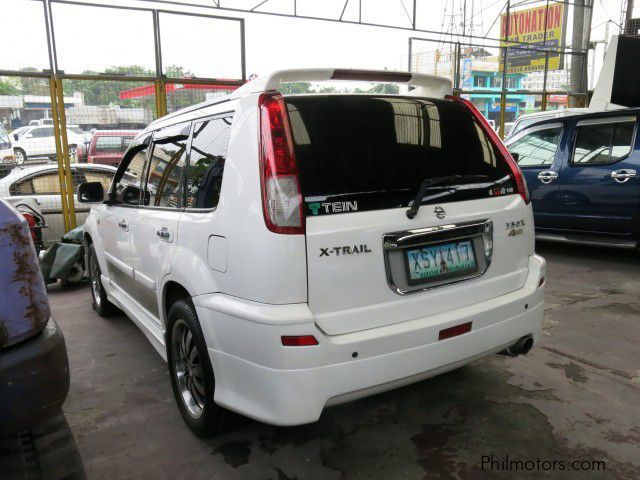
x=440, y=261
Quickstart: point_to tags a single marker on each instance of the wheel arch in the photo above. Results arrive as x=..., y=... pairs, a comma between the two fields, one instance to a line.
x=172, y=291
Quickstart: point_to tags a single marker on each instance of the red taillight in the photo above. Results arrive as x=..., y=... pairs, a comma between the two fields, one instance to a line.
x=299, y=340
x=454, y=331
x=31, y=221
x=281, y=196
x=521, y=185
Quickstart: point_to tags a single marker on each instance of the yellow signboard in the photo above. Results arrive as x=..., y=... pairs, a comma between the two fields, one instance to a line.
x=534, y=30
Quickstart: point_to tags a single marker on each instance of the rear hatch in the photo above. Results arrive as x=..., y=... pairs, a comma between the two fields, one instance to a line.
x=364, y=161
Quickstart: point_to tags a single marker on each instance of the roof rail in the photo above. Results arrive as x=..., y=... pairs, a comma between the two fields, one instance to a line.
x=425, y=85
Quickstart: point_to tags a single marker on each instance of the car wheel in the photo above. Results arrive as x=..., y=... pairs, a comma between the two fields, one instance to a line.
x=20, y=156
x=99, y=300
x=191, y=371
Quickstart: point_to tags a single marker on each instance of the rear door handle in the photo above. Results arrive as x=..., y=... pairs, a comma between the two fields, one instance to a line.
x=623, y=175
x=124, y=225
x=164, y=234
x=547, y=176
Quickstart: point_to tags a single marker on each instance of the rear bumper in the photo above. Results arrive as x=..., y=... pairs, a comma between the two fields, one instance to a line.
x=34, y=380
x=258, y=377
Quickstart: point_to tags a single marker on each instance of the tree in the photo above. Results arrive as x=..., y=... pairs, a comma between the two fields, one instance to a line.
x=297, y=87
x=7, y=88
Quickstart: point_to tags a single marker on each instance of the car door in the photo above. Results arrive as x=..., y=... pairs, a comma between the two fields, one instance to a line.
x=155, y=225
x=540, y=158
x=599, y=189
x=114, y=222
x=43, y=142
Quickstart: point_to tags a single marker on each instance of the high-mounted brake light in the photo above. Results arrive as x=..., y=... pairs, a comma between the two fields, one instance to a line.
x=299, y=340
x=281, y=196
x=521, y=185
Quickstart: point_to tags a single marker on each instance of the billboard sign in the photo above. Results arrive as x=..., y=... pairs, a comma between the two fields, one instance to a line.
x=535, y=30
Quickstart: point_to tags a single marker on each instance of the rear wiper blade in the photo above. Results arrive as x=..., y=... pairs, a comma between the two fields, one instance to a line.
x=428, y=182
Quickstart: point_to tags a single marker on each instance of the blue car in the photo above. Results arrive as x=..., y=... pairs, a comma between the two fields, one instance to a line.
x=34, y=369
x=583, y=177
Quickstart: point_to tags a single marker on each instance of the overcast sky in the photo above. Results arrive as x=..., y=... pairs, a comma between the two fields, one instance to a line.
x=94, y=38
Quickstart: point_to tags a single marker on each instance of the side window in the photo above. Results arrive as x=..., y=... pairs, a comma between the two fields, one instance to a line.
x=98, y=176
x=134, y=163
x=164, y=180
x=45, y=184
x=206, y=164
x=109, y=143
x=603, y=143
x=537, y=149
x=43, y=132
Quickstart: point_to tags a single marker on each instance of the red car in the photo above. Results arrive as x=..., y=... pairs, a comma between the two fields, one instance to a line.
x=108, y=146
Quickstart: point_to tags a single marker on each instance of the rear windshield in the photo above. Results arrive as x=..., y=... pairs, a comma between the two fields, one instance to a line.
x=359, y=152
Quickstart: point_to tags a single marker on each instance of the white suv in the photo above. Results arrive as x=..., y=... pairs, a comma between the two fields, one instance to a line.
x=288, y=253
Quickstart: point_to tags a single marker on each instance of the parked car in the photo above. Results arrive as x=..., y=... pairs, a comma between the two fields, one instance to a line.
x=108, y=146
x=39, y=143
x=34, y=370
x=41, y=182
x=6, y=152
x=527, y=119
x=582, y=173
x=40, y=122
x=288, y=253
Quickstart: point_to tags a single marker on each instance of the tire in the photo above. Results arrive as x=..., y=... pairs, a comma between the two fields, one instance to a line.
x=99, y=300
x=20, y=155
x=191, y=371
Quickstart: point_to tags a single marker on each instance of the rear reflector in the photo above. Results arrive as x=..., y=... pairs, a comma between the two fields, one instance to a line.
x=516, y=173
x=454, y=331
x=299, y=340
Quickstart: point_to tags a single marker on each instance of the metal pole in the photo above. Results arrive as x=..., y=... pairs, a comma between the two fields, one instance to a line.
x=56, y=132
x=65, y=156
x=161, y=90
x=546, y=59
x=503, y=95
x=628, y=15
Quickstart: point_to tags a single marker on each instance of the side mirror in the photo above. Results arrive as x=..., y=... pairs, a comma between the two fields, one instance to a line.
x=130, y=195
x=90, y=192
x=516, y=156
x=15, y=136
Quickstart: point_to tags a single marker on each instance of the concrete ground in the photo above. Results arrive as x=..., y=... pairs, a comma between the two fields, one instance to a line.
x=574, y=397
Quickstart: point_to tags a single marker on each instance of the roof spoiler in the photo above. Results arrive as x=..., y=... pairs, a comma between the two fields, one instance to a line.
x=424, y=85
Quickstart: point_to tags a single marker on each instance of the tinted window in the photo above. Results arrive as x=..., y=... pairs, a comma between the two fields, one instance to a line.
x=206, y=164
x=537, y=149
x=378, y=151
x=603, y=143
x=42, y=132
x=46, y=183
x=164, y=181
x=109, y=143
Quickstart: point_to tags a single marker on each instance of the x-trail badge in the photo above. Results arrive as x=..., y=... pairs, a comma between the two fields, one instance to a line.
x=440, y=213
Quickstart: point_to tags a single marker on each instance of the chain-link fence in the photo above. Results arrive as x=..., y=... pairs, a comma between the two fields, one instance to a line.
x=89, y=80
